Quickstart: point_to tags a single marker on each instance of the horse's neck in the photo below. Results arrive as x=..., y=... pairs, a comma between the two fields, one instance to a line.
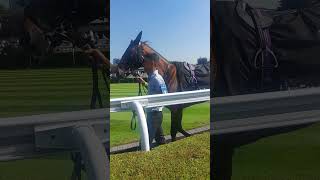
x=163, y=66
x=167, y=70
x=163, y=63
x=169, y=74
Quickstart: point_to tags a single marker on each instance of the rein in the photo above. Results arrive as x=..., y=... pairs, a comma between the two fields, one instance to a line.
x=95, y=85
x=133, y=124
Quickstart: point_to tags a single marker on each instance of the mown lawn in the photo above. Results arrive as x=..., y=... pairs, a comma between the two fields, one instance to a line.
x=120, y=132
x=37, y=91
x=290, y=156
x=188, y=158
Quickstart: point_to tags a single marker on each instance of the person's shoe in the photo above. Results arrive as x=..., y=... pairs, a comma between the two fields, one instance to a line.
x=161, y=141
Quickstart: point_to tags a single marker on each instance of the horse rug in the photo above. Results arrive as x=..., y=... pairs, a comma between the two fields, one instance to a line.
x=193, y=77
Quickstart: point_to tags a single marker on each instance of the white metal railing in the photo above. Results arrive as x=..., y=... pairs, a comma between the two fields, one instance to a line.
x=138, y=104
x=251, y=112
x=84, y=131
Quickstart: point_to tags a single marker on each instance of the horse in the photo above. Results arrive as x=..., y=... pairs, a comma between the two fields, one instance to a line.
x=235, y=72
x=132, y=59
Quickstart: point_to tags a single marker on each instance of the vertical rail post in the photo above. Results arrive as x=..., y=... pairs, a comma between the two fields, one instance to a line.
x=144, y=134
x=92, y=152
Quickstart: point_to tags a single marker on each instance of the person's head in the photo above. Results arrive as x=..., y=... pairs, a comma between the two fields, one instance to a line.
x=149, y=62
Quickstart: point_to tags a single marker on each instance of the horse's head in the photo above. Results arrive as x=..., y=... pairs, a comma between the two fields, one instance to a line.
x=132, y=59
x=136, y=54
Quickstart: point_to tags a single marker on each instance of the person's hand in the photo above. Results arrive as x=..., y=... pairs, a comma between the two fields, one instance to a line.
x=140, y=80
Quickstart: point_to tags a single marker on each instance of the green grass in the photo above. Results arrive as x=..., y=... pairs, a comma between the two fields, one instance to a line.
x=120, y=132
x=52, y=167
x=25, y=92
x=185, y=159
x=290, y=156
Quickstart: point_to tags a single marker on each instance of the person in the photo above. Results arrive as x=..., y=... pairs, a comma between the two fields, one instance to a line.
x=155, y=85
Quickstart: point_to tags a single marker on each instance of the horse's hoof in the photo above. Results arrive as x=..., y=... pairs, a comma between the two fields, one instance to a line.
x=186, y=134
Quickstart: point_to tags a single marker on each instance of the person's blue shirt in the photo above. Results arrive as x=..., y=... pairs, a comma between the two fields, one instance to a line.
x=156, y=85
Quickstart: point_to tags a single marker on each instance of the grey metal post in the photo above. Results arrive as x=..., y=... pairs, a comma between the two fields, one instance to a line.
x=92, y=151
x=144, y=134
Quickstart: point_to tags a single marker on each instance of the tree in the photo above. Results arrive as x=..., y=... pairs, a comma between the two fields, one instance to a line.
x=202, y=60
x=116, y=61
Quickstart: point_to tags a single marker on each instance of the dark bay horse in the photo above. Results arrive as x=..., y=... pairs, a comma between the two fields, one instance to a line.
x=296, y=45
x=171, y=72
x=295, y=41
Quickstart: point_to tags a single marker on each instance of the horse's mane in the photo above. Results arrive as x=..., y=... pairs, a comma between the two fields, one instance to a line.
x=146, y=44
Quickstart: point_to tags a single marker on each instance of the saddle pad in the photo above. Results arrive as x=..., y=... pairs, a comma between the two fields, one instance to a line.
x=202, y=74
x=264, y=20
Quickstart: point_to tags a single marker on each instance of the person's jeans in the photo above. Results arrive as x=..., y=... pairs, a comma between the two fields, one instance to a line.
x=154, y=121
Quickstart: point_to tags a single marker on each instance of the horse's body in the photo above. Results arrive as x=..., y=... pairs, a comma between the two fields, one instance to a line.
x=168, y=70
x=295, y=40
x=235, y=74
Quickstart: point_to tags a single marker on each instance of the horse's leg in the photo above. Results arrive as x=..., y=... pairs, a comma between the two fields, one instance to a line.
x=179, y=123
x=174, y=128
x=221, y=160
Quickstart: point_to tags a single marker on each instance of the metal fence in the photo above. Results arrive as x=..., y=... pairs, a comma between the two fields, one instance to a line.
x=140, y=102
x=264, y=110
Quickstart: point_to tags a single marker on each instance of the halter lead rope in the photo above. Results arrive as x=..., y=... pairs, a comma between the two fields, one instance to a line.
x=133, y=124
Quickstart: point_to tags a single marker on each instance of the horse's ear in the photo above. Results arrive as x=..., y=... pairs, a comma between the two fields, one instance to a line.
x=138, y=38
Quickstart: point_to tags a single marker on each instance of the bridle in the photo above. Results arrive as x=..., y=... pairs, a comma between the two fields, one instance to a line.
x=140, y=57
x=134, y=63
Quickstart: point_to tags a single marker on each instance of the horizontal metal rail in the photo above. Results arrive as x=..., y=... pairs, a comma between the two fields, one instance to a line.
x=242, y=113
x=123, y=104
x=140, y=102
